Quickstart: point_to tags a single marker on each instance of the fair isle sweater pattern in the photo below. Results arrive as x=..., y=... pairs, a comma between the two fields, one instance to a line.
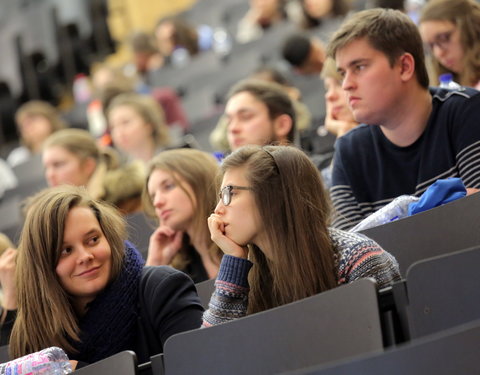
x=356, y=257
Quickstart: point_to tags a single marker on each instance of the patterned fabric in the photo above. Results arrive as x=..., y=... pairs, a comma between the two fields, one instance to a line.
x=356, y=257
x=108, y=326
x=369, y=171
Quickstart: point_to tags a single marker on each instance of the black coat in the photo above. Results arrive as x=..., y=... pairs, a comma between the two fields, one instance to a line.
x=168, y=304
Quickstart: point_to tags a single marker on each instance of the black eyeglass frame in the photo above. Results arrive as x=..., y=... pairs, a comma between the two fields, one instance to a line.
x=225, y=193
x=442, y=40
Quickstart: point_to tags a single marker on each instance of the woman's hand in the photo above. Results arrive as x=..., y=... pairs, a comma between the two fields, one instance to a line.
x=336, y=126
x=472, y=191
x=163, y=246
x=217, y=234
x=7, y=278
x=73, y=364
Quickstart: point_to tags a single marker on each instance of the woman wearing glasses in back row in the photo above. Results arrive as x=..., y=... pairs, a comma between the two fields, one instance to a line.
x=451, y=29
x=271, y=222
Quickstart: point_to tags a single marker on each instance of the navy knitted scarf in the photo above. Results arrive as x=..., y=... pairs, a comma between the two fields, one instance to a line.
x=108, y=327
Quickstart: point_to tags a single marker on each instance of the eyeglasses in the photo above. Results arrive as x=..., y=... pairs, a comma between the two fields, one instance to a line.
x=226, y=193
x=442, y=40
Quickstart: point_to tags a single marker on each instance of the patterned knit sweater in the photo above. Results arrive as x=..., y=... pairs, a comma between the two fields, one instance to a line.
x=356, y=256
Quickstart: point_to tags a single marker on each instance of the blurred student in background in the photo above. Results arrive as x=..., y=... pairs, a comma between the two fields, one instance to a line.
x=72, y=156
x=137, y=126
x=36, y=120
x=261, y=15
x=257, y=113
x=314, y=12
x=451, y=30
x=339, y=118
x=305, y=54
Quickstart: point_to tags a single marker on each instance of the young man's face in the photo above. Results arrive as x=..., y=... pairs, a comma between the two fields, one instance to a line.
x=373, y=87
x=249, y=121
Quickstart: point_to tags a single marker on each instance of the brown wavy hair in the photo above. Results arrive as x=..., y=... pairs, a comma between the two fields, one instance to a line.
x=295, y=211
x=465, y=15
x=45, y=315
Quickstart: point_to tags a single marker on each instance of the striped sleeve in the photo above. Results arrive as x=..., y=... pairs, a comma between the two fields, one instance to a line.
x=347, y=209
x=466, y=140
x=230, y=299
x=468, y=164
x=348, y=212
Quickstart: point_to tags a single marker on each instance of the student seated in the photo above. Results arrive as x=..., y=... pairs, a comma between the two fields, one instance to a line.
x=72, y=156
x=259, y=113
x=36, y=120
x=180, y=192
x=314, y=12
x=451, y=30
x=261, y=16
x=271, y=222
x=84, y=289
x=410, y=136
x=267, y=97
x=339, y=118
x=305, y=54
x=137, y=126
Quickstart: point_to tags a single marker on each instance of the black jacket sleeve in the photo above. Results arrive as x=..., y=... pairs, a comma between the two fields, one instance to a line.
x=7, y=326
x=169, y=304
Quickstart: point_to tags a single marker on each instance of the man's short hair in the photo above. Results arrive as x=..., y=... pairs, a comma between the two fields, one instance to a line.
x=388, y=31
x=296, y=49
x=272, y=95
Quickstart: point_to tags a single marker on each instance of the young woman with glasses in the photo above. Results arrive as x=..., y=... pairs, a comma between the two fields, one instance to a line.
x=271, y=222
x=451, y=31
x=180, y=193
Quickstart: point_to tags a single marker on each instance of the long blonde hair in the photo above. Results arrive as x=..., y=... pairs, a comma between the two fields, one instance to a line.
x=45, y=315
x=200, y=171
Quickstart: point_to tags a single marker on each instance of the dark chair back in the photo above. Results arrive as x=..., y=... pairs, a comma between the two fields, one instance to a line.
x=339, y=323
x=140, y=228
x=441, y=230
x=157, y=364
x=11, y=219
x=205, y=290
x=451, y=352
x=4, y=357
x=443, y=292
x=123, y=363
